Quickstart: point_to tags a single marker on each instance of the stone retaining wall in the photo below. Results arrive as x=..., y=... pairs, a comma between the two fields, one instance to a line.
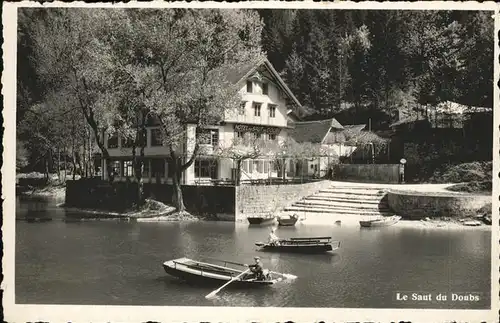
x=256, y=199
x=417, y=205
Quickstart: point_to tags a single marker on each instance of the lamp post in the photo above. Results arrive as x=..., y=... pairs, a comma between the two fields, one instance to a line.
x=402, y=170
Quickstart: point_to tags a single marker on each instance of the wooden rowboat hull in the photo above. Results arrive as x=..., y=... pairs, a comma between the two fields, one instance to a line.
x=300, y=245
x=297, y=249
x=260, y=220
x=207, y=278
x=287, y=222
x=380, y=223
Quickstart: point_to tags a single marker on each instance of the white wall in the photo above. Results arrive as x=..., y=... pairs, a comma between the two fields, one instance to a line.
x=273, y=97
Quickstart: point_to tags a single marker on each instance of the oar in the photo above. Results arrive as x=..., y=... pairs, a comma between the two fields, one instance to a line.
x=287, y=276
x=212, y=294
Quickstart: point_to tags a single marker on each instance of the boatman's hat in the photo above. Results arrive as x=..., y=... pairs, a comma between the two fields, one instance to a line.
x=256, y=258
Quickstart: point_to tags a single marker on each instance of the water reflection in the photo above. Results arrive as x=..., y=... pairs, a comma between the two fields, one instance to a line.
x=121, y=263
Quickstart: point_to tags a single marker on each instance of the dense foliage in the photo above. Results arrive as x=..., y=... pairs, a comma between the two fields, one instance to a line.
x=372, y=63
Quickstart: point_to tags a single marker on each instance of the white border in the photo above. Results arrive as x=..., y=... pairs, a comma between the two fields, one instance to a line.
x=57, y=313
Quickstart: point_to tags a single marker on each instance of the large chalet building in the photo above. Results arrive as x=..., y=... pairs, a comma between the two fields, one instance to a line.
x=268, y=108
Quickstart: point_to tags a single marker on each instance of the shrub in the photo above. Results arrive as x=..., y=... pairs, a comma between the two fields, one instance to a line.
x=467, y=172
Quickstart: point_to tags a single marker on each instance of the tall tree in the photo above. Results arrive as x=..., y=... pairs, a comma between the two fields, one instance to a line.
x=71, y=61
x=175, y=61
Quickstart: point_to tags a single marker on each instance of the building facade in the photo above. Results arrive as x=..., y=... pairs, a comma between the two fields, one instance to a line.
x=267, y=110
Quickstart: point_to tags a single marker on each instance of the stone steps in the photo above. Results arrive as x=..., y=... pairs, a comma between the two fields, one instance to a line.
x=352, y=192
x=361, y=200
x=320, y=199
x=337, y=211
x=353, y=205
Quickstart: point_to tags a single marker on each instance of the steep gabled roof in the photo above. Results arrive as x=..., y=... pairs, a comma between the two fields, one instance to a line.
x=240, y=73
x=313, y=131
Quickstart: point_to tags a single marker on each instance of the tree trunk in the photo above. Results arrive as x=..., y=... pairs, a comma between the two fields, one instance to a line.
x=99, y=138
x=58, y=163
x=65, y=165
x=238, y=172
x=46, y=167
x=73, y=162
x=177, y=198
x=177, y=169
x=283, y=169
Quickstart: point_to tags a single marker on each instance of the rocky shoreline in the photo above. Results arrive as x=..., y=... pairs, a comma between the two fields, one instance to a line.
x=155, y=211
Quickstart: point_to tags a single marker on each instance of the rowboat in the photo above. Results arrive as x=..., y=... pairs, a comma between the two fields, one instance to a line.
x=288, y=221
x=301, y=245
x=206, y=273
x=381, y=222
x=261, y=220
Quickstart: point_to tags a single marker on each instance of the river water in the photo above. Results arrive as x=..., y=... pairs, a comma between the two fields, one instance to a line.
x=120, y=263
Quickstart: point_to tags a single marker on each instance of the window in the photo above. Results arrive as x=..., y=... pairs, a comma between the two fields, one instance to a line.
x=249, y=86
x=266, y=166
x=145, y=168
x=265, y=88
x=272, y=111
x=157, y=168
x=112, y=141
x=239, y=134
x=256, y=109
x=257, y=135
x=115, y=167
x=208, y=136
x=272, y=136
x=244, y=166
x=127, y=169
x=205, y=168
x=241, y=110
x=127, y=142
x=258, y=166
x=156, y=137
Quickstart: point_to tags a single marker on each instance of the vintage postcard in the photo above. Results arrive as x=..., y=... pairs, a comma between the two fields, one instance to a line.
x=251, y=162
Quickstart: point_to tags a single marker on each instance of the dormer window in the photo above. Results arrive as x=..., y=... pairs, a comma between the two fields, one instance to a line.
x=256, y=109
x=272, y=111
x=249, y=87
x=241, y=110
x=265, y=88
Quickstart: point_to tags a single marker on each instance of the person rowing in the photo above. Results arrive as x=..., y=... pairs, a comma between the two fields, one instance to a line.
x=273, y=238
x=256, y=269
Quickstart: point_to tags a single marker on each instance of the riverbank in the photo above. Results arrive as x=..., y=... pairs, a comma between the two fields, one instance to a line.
x=57, y=192
x=353, y=221
x=151, y=211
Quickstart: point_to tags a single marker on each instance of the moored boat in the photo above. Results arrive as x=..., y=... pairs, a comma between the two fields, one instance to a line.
x=261, y=220
x=288, y=221
x=211, y=274
x=380, y=222
x=301, y=245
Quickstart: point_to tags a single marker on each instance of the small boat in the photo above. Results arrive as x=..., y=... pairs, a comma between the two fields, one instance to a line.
x=212, y=274
x=381, y=222
x=472, y=223
x=261, y=220
x=288, y=221
x=301, y=245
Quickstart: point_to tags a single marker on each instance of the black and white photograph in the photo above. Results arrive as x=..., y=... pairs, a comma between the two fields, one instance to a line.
x=252, y=161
